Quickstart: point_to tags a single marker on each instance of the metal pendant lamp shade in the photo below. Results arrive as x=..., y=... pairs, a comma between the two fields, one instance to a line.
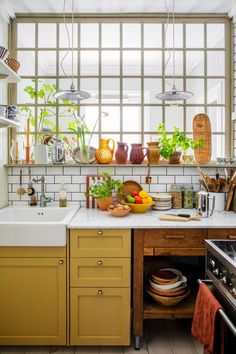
x=73, y=95
x=174, y=96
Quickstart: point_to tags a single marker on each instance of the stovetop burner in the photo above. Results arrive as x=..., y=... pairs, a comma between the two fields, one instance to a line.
x=227, y=247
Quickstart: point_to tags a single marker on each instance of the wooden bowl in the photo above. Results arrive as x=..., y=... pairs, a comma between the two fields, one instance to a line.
x=119, y=212
x=166, y=300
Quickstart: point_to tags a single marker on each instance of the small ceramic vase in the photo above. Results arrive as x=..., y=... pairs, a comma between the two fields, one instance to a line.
x=104, y=154
x=121, y=154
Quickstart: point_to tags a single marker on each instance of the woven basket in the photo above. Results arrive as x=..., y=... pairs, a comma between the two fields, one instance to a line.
x=12, y=63
x=202, y=130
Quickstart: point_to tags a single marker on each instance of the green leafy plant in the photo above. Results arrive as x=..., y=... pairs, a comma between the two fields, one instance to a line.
x=104, y=188
x=177, y=142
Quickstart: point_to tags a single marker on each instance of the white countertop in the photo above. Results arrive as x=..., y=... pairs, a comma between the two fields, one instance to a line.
x=94, y=218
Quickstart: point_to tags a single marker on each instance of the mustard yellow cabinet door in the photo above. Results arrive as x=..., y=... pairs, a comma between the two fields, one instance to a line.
x=33, y=301
x=100, y=316
x=100, y=243
x=107, y=272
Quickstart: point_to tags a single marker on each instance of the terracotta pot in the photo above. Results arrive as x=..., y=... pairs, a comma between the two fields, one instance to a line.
x=136, y=153
x=174, y=159
x=104, y=204
x=121, y=154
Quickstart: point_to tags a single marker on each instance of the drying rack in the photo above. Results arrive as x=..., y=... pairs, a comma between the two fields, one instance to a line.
x=221, y=312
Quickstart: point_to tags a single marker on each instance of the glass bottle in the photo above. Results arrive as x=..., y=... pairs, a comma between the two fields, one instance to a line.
x=188, y=196
x=62, y=196
x=176, y=192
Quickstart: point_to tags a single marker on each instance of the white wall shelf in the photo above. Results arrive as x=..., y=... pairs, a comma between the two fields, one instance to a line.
x=8, y=74
x=5, y=123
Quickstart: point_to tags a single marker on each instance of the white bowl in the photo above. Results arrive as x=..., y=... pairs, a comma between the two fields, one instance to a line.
x=182, y=280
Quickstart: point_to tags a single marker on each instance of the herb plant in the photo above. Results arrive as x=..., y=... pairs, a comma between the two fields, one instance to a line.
x=104, y=188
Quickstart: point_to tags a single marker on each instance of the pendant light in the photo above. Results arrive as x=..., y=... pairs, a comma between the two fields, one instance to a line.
x=72, y=94
x=174, y=96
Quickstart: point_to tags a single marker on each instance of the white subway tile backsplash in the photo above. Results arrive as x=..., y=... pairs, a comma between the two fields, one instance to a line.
x=72, y=171
x=166, y=179
x=40, y=171
x=52, y=187
x=78, y=197
x=140, y=170
x=55, y=170
x=78, y=179
x=191, y=171
x=157, y=188
x=62, y=179
x=157, y=171
x=183, y=179
x=173, y=171
x=124, y=170
x=73, y=187
x=133, y=178
x=89, y=171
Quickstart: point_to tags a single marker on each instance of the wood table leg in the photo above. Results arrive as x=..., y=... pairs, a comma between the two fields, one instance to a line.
x=138, y=286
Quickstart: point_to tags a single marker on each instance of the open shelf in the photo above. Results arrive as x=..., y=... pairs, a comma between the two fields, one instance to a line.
x=5, y=123
x=184, y=309
x=8, y=74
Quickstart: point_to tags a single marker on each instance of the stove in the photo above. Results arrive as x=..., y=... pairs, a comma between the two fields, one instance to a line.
x=221, y=269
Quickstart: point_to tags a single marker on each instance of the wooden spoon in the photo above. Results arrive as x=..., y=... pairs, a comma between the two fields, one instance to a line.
x=20, y=190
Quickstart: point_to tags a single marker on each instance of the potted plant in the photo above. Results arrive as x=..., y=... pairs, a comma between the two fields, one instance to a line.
x=102, y=190
x=172, y=147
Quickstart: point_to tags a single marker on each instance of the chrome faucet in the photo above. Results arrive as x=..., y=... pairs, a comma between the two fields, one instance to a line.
x=43, y=199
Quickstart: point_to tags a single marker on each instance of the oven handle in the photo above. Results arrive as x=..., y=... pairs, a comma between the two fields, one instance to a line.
x=223, y=315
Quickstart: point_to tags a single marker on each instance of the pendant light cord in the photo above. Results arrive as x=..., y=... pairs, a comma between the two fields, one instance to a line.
x=68, y=38
x=165, y=44
x=72, y=45
x=173, y=31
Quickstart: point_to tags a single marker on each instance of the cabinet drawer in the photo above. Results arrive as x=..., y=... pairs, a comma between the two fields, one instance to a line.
x=100, y=316
x=175, y=238
x=107, y=272
x=229, y=234
x=100, y=243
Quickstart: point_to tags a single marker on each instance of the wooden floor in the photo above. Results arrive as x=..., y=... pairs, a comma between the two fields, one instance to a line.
x=161, y=337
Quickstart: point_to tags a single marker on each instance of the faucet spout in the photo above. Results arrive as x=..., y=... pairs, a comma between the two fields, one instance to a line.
x=43, y=199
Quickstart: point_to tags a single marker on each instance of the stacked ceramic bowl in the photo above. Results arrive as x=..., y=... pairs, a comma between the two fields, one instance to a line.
x=162, y=201
x=167, y=286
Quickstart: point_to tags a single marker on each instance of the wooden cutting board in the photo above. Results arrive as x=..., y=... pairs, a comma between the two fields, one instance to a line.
x=179, y=218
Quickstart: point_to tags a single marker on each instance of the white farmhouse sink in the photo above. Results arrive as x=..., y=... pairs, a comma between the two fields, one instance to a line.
x=30, y=226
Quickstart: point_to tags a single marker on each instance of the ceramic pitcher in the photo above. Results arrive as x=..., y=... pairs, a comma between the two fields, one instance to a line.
x=153, y=153
x=121, y=154
x=104, y=153
x=136, y=154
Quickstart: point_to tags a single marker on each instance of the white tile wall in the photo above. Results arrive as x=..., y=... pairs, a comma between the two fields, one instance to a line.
x=74, y=179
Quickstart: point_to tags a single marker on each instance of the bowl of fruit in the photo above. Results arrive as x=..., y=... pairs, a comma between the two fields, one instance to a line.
x=138, y=201
x=119, y=209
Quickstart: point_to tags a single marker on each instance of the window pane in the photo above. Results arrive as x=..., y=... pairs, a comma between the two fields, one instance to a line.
x=152, y=35
x=194, y=35
x=218, y=146
x=24, y=88
x=25, y=113
x=190, y=114
x=131, y=35
x=132, y=119
x=131, y=139
x=89, y=35
x=194, y=63
x=196, y=86
x=91, y=116
x=151, y=88
x=217, y=118
x=178, y=63
x=90, y=85
x=110, y=91
x=46, y=89
x=65, y=63
x=174, y=118
x=111, y=62
x=89, y=62
x=111, y=123
x=66, y=115
x=47, y=35
x=132, y=62
x=27, y=62
x=215, y=35
x=46, y=63
x=26, y=35
x=178, y=35
x=216, y=63
x=216, y=91
x=153, y=63
x=64, y=42
x=152, y=117
x=110, y=35
x=131, y=91
x=46, y=119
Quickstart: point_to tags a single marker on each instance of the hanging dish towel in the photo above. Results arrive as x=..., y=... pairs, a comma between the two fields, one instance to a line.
x=204, y=319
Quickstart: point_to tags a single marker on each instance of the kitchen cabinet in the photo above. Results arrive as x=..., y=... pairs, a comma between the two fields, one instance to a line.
x=166, y=242
x=32, y=296
x=100, y=286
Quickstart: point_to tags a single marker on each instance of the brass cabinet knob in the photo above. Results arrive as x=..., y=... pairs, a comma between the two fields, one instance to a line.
x=99, y=292
x=99, y=263
x=99, y=232
x=61, y=261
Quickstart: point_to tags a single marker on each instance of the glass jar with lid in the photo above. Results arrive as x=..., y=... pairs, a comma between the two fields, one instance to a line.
x=188, y=196
x=176, y=192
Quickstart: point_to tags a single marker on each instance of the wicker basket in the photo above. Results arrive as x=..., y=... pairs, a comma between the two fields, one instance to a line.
x=12, y=63
x=202, y=130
